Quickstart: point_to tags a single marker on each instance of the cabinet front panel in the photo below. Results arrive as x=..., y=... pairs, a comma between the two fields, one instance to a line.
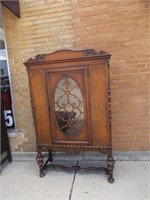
x=69, y=117
x=99, y=104
x=40, y=102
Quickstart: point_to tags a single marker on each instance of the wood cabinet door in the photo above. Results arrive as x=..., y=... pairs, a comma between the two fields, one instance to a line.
x=69, y=106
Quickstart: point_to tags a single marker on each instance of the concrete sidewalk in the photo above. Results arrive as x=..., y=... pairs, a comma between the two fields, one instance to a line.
x=20, y=181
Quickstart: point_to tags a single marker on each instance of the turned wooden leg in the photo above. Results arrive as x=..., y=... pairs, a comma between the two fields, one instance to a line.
x=40, y=162
x=50, y=155
x=110, y=166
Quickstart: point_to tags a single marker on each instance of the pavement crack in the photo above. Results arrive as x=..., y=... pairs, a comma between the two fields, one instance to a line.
x=74, y=177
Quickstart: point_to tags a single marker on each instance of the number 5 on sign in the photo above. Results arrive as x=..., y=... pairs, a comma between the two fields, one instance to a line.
x=8, y=118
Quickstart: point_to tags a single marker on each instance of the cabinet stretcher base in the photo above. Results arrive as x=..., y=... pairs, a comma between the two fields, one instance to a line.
x=44, y=166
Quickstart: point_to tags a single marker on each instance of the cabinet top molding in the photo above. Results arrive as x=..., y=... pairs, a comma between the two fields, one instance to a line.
x=67, y=56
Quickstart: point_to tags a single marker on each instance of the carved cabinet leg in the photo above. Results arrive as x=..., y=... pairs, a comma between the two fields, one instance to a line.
x=110, y=166
x=50, y=155
x=40, y=162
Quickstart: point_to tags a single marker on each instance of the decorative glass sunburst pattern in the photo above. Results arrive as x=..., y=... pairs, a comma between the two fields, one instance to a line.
x=69, y=109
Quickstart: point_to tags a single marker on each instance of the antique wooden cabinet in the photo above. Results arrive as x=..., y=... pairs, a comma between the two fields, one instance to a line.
x=70, y=94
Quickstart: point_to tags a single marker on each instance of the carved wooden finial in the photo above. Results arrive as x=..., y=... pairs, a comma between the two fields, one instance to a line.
x=93, y=52
x=38, y=58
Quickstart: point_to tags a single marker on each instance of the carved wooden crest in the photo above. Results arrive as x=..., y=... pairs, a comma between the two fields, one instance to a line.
x=93, y=52
x=38, y=58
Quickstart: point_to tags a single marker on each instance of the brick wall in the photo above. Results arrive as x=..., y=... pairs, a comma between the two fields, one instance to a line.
x=120, y=27
x=44, y=26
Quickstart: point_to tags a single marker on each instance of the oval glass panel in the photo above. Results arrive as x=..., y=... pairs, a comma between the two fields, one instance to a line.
x=69, y=108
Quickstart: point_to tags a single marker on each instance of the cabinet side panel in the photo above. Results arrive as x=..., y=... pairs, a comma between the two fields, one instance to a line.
x=99, y=105
x=40, y=105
